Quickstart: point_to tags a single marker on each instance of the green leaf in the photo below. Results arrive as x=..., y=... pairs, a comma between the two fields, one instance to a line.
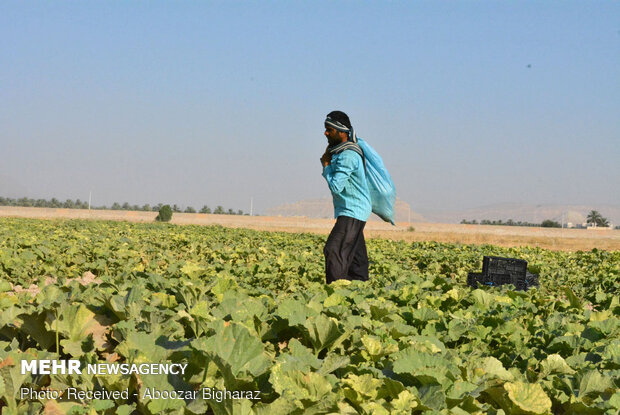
x=614, y=401
x=292, y=310
x=299, y=358
x=101, y=405
x=554, y=364
x=140, y=347
x=126, y=409
x=34, y=325
x=243, y=352
x=593, y=384
x=222, y=285
x=495, y=370
x=300, y=385
x=611, y=354
x=323, y=332
x=427, y=344
x=240, y=307
x=572, y=298
x=5, y=286
x=332, y=363
x=425, y=314
x=483, y=298
x=460, y=389
x=76, y=323
x=432, y=396
x=154, y=383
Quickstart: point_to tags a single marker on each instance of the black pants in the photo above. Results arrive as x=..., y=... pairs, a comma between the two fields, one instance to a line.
x=345, y=251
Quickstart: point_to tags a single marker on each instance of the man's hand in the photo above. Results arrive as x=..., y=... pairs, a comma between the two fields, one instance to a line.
x=326, y=158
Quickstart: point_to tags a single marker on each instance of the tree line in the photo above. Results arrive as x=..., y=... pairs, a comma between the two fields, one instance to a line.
x=545, y=224
x=594, y=219
x=79, y=204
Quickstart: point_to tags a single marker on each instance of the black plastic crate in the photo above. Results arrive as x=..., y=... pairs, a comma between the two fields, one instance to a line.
x=477, y=278
x=473, y=278
x=500, y=265
x=500, y=279
x=498, y=271
x=531, y=280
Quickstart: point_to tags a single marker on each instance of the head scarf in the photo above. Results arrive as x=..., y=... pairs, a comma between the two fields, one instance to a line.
x=350, y=144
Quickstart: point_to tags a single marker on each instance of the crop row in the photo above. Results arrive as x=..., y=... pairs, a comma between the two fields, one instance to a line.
x=248, y=310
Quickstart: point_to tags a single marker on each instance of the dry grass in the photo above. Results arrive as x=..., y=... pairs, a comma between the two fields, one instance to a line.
x=508, y=236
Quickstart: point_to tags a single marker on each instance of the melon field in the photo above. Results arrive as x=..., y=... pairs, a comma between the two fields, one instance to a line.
x=248, y=311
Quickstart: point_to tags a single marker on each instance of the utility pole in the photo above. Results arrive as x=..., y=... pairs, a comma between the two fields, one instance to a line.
x=251, y=205
x=90, y=194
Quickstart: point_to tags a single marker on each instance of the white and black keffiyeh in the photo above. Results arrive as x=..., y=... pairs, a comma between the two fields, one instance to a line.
x=350, y=144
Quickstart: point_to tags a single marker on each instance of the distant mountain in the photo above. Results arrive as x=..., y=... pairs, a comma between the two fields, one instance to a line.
x=324, y=208
x=526, y=213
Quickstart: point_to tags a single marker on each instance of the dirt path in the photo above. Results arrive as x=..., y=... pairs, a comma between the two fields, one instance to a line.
x=549, y=238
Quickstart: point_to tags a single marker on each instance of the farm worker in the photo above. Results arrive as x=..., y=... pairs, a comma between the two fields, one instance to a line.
x=343, y=168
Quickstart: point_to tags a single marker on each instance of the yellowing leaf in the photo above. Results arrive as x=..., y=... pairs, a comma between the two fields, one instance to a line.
x=365, y=384
x=528, y=397
x=333, y=300
x=191, y=269
x=405, y=402
x=600, y=316
x=372, y=345
x=494, y=369
x=555, y=364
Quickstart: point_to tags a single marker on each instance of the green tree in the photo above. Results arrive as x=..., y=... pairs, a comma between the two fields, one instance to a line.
x=165, y=214
x=219, y=210
x=596, y=219
x=205, y=209
x=116, y=206
x=190, y=209
x=24, y=201
x=548, y=223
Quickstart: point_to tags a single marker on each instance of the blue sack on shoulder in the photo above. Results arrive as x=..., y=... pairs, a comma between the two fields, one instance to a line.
x=380, y=184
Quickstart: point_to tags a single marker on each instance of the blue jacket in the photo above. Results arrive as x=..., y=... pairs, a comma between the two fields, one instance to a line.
x=346, y=179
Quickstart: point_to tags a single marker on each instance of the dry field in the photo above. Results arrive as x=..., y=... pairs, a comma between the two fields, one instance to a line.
x=549, y=238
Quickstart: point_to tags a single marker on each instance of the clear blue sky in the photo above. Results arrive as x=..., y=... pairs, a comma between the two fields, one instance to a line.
x=470, y=103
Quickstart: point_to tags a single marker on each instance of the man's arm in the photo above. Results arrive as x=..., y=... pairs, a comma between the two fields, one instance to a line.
x=338, y=174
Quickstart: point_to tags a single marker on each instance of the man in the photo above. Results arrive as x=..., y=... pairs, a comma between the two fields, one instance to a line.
x=344, y=169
